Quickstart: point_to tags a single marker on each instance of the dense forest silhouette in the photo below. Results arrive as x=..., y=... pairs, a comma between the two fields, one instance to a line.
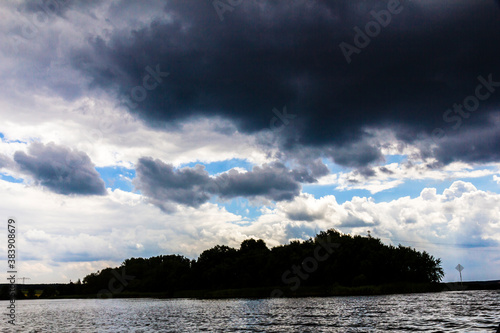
x=330, y=258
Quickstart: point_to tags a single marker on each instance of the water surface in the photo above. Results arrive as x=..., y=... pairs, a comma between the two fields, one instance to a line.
x=457, y=311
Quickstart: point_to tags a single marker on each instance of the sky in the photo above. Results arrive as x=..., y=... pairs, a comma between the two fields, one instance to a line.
x=141, y=128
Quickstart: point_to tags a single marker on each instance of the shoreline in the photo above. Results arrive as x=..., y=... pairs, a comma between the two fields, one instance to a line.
x=305, y=291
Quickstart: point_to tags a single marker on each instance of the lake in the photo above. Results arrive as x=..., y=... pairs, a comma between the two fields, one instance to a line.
x=454, y=311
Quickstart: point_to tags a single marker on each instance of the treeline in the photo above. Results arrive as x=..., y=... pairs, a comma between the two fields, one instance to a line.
x=330, y=258
x=33, y=291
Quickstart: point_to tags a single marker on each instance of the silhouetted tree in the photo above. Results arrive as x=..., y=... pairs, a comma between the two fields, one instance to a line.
x=31, y=293
x=48, y=291
x=354, y=261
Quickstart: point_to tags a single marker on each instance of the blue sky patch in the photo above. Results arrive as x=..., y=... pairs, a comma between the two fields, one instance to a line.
x=117, y=177
x=221, y=166
x=10, y=179
x=239, y=206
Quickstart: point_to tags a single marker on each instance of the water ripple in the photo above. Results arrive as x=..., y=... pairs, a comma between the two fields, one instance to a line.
x=459, y=311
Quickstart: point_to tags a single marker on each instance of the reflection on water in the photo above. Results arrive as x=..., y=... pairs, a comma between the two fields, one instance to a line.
x=458, y=311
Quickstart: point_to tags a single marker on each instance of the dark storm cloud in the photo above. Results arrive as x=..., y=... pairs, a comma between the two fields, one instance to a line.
x=165, y=185
x=60, y=169
x=475, y=145
x=271, y=181
x=357, y=154
x=267, y=54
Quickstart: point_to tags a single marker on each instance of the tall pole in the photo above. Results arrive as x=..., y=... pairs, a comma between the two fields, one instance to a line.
x=460, y=268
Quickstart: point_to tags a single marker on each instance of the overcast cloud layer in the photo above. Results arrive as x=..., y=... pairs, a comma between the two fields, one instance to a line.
x=266, y=54
x=183, y=62
x=138, y=128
